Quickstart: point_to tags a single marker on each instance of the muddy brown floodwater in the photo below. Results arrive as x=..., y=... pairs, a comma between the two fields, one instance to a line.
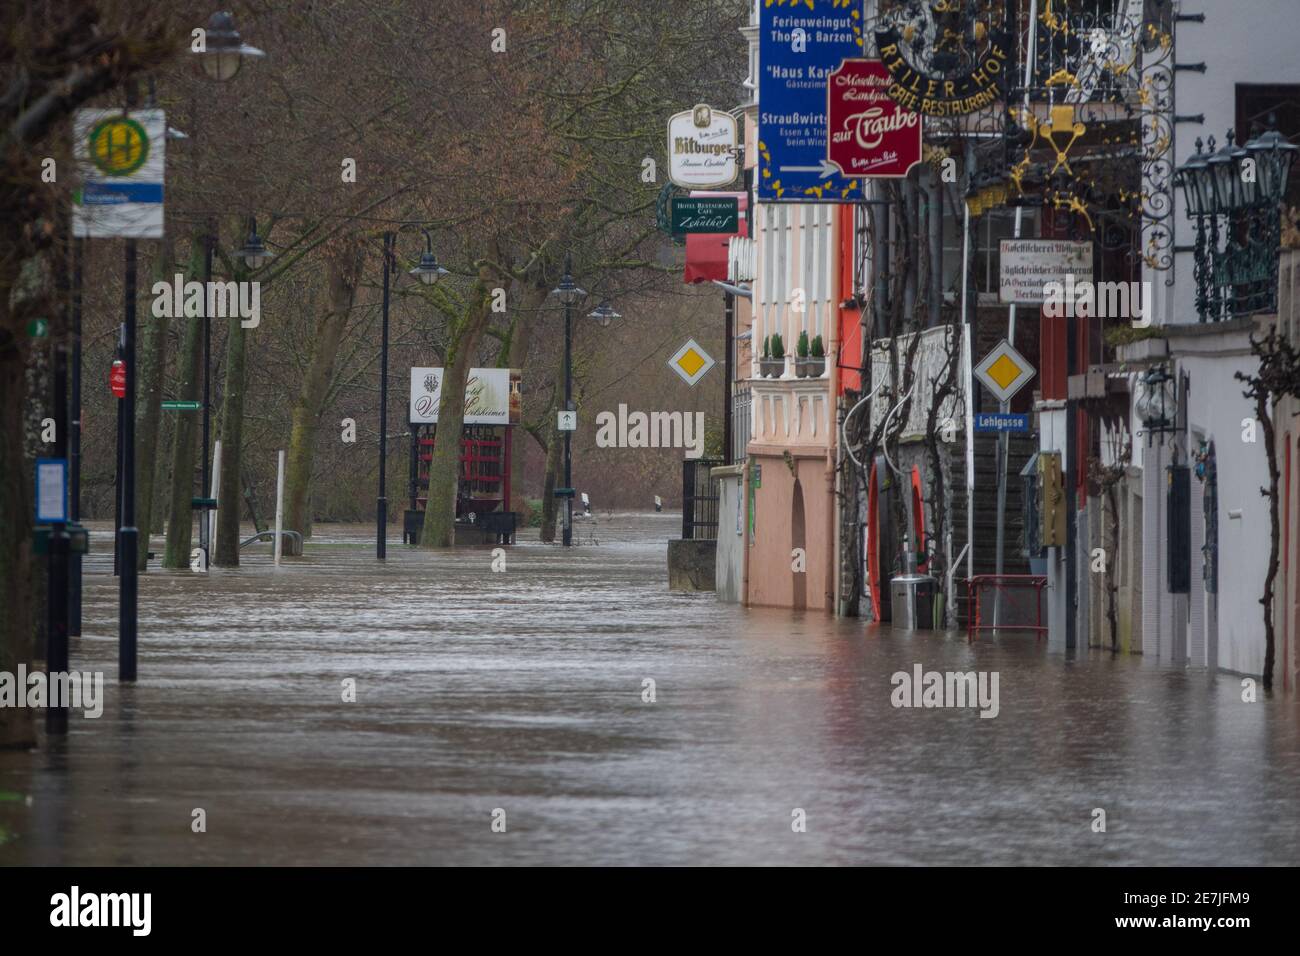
x=521, y=690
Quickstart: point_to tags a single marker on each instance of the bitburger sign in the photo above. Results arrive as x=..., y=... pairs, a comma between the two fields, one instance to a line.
x=953, y=93
x=702, y=148
x=868, y=133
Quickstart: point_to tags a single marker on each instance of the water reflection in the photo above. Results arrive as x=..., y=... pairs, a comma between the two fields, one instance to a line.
x=523, y=690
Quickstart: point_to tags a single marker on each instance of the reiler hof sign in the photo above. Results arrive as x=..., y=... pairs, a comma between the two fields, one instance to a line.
x=870, y=134
x=492, y=396
x=702, y=148
x=711, y=214
x=946, y=93
x=799, y=46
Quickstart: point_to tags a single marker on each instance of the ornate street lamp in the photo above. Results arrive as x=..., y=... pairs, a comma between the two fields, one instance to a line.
x=224, y=49
x=1242, y=186
x=1225, y=177
x=1274, y=156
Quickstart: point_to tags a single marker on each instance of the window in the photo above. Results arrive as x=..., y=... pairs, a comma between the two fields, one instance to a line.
x=987, y=232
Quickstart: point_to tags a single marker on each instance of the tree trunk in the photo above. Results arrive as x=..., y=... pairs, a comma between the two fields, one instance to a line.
x=520, y=344
x=1270, y=450
x=226, y=554
x=550, y=505
x=148, y=411
x=345, y=271
x=444, y=470
x=180, y=514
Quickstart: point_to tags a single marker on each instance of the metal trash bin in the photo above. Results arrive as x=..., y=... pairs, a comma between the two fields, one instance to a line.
x=912, y=601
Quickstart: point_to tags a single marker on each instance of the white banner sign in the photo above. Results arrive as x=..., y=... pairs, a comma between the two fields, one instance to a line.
x=121, y=157
x=702, y=148
x=492, y=396
x=1028, y=265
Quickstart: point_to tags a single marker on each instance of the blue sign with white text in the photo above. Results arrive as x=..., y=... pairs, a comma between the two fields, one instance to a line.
x=798, y=48
x=1001, y=422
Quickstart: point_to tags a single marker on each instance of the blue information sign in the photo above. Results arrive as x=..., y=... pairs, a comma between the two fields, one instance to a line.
x=1001, y=422
x=51, y=490
x=798, y=47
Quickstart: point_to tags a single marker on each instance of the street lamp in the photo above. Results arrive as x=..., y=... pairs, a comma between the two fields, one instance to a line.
x=223, y=49
x=1156, y=402
x=603, y=314
x=568, y=293
x=1274, y=157
x=254, y=253
x=428, y=271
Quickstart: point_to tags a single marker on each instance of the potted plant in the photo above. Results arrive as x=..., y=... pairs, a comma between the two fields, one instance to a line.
x=778, y=355
x=817, y=358
x=801, y=355
x=765, y=363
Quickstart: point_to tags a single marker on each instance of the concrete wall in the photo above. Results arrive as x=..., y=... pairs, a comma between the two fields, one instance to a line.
x=778, y=503
x=1216, y=409
x=730, y=569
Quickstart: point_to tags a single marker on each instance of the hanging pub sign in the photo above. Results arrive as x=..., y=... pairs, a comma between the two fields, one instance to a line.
x=713, y=214
x=869, y=134
x=702, y=148
x=921, y=85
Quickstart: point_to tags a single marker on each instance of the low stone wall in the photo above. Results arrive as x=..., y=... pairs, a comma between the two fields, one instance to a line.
x=691, y=565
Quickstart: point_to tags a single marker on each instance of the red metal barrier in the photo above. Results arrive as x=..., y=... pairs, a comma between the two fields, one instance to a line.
x=1017, y=591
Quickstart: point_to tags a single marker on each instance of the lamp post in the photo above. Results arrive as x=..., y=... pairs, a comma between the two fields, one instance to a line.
x=428, y=272
x=221, y=58
x=568, y=293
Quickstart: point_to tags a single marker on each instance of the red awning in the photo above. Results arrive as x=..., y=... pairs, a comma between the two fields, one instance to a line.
x=706, y=253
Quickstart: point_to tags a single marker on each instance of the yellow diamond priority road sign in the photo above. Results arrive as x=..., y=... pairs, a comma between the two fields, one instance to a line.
x=691, y=362
x=1004, y=371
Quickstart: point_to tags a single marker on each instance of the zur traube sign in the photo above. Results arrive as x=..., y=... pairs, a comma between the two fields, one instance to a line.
x=702, y=148
x=869, y=133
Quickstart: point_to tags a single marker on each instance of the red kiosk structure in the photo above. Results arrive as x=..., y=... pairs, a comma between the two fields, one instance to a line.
x=492, y=409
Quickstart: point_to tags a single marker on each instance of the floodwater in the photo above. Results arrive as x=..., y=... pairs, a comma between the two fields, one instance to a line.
x=521, y=691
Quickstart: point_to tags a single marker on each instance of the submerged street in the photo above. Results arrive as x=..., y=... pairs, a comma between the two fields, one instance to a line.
x=522, y=690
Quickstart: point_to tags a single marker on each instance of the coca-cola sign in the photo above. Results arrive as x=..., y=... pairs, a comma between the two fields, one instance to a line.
x=868, y=133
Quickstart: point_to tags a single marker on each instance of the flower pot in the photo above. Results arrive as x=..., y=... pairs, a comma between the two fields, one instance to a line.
x=802, y=366
x=770, y=368
x=816, y=366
